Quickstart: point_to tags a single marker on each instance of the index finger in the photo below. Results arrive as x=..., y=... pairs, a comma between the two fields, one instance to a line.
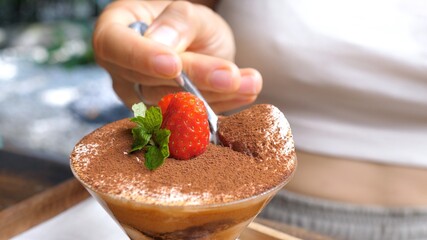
x=115, y=42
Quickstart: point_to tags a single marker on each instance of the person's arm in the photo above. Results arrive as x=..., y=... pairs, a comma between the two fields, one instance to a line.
x=181, y=36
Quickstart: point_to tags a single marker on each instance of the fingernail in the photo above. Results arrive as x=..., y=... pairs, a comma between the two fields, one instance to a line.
x=221, y=79
x=165, y=65
x=165, y=35
x=248, y=85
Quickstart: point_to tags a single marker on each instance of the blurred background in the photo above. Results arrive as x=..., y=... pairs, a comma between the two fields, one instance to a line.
x=51, y=91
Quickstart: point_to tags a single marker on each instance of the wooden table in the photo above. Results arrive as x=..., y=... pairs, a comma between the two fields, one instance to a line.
x=37, y=206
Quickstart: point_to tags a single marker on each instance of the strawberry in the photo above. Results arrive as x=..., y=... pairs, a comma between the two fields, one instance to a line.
x=187, y=119
x=164, y=102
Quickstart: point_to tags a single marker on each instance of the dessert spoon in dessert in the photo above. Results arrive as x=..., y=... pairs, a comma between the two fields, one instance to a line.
x=184, y=82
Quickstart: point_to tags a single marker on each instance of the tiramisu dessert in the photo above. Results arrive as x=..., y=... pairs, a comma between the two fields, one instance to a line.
x=160, y=178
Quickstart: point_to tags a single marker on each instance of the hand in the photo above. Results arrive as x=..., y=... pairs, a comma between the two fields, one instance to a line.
x=181, y=36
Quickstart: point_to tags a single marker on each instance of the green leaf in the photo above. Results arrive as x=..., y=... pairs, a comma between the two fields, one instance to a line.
x=162, y=140
x=140, y=121
x=153, y=158
x=153, y=119
x=148, y=136
x=139, y=109
x=140, y=138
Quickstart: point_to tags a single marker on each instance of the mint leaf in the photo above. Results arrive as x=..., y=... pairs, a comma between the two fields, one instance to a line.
x=153, y=158
x=139, y=109
x=153, y=118
x=162, y=139
x=140, y=138
x=148, y=136
x=139, y=120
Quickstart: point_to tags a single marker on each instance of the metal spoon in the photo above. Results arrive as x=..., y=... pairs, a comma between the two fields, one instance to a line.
x=184, y=82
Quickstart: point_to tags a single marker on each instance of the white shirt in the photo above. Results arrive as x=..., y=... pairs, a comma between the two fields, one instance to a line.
x=350, y=76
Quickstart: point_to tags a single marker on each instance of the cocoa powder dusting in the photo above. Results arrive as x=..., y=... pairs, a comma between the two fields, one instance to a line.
x=101, y=160
x=261, y=131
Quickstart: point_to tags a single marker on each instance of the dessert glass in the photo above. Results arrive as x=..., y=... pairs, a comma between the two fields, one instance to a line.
x=159, y=221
